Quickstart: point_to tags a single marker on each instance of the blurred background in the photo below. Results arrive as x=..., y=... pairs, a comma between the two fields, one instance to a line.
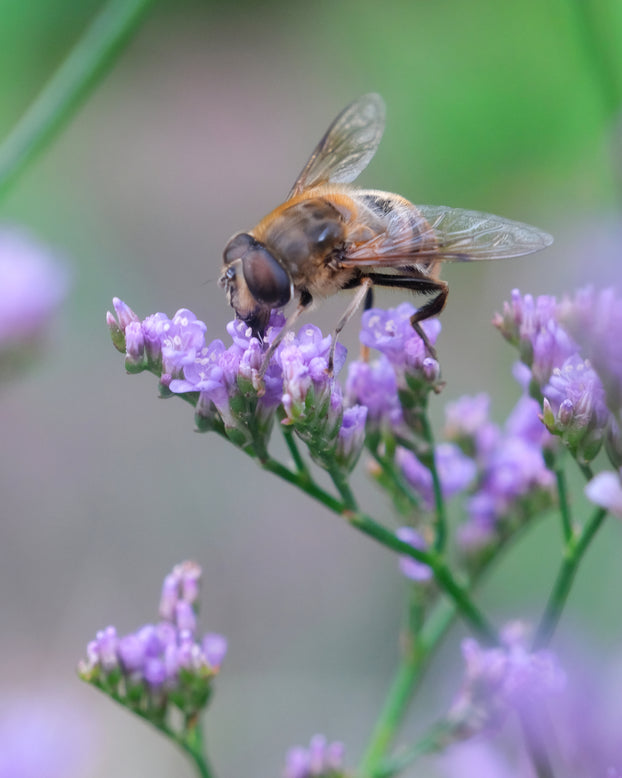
x=199, y=130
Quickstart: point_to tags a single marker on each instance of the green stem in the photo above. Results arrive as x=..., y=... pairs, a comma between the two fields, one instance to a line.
x=573, y=553
x=436, y=739
x=301, y=466
x=564, y=506
x=439, y=503
x=442, y=575
x=308, y=486
x=372, y=528
x=343, y=487
x=388, y=468
x=77, y=75
x=412, y=666
x=192, y=744
x=587, y=471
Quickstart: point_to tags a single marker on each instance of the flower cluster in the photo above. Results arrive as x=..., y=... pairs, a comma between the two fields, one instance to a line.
x=513, y=481
x=398, y=382
x=501, y=472
x=321, y=760
x=235, y=393
x=573, y=368
x=161, y=665
x=498, y=680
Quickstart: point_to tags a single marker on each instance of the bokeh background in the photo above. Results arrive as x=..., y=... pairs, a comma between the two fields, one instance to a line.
x=200, y=129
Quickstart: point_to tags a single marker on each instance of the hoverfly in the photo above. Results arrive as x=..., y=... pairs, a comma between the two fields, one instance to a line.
x=328, y=236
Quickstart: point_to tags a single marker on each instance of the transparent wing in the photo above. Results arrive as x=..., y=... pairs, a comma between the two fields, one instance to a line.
x=435, y=232
x=347, y=147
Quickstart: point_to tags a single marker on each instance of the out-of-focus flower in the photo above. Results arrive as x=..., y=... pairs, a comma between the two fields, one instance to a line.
x=605, y=490
x=411, y=568
x=161, y=665
x=508, y=677
x=513, y=479
x=456, y=472
x=467, y=422
x=594, y=319
x=321, y=760
x=574, y=408
x=42, y=735
x=478, y=758
x=33, y=285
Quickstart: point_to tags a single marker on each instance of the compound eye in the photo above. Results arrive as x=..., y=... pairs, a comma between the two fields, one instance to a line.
x=237, y=247
x=267, y=281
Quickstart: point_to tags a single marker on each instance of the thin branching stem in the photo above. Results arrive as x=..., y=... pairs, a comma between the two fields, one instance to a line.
x=413, y=664
x=564, y=506
x=575, y=548
x=290, y=440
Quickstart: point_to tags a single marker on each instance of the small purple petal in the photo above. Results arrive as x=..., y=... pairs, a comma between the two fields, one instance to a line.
x=125, y=314
x=169, y=597
x=214, y=649
x=155, y=672
x=131, y=653
x=185, y=617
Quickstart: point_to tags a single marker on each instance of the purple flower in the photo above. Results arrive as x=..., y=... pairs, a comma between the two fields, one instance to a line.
x=605, y=490
x=455, y=471
x=180, y=585
x=374, y=385
x=182, y=338
x=153, y=328
x=574, y=408
x=411, y=568
x=507, y=677
x=320, y=760
x=161, y=659
x=467, y=424
x=594, y=319
x=478, y=758
x=391, y=333
x=32, y=286
x=351, y=437
x=214, y=649
x=135, y=343
x=532, y=325
x=525, y=421
x=513, y=481
x=311, y=396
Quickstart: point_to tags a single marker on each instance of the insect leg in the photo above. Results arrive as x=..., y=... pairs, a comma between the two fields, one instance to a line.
x=422, y=285
x=304, y=302
x=355, y=303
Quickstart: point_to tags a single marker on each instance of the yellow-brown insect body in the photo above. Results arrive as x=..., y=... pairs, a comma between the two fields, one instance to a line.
x=323, y=236
x=329, y=235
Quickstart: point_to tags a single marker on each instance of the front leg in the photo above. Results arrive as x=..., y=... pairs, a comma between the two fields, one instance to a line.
x=361, y=296
x=303, y=303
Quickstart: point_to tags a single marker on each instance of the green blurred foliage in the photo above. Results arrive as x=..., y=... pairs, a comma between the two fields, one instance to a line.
x=492, y=95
